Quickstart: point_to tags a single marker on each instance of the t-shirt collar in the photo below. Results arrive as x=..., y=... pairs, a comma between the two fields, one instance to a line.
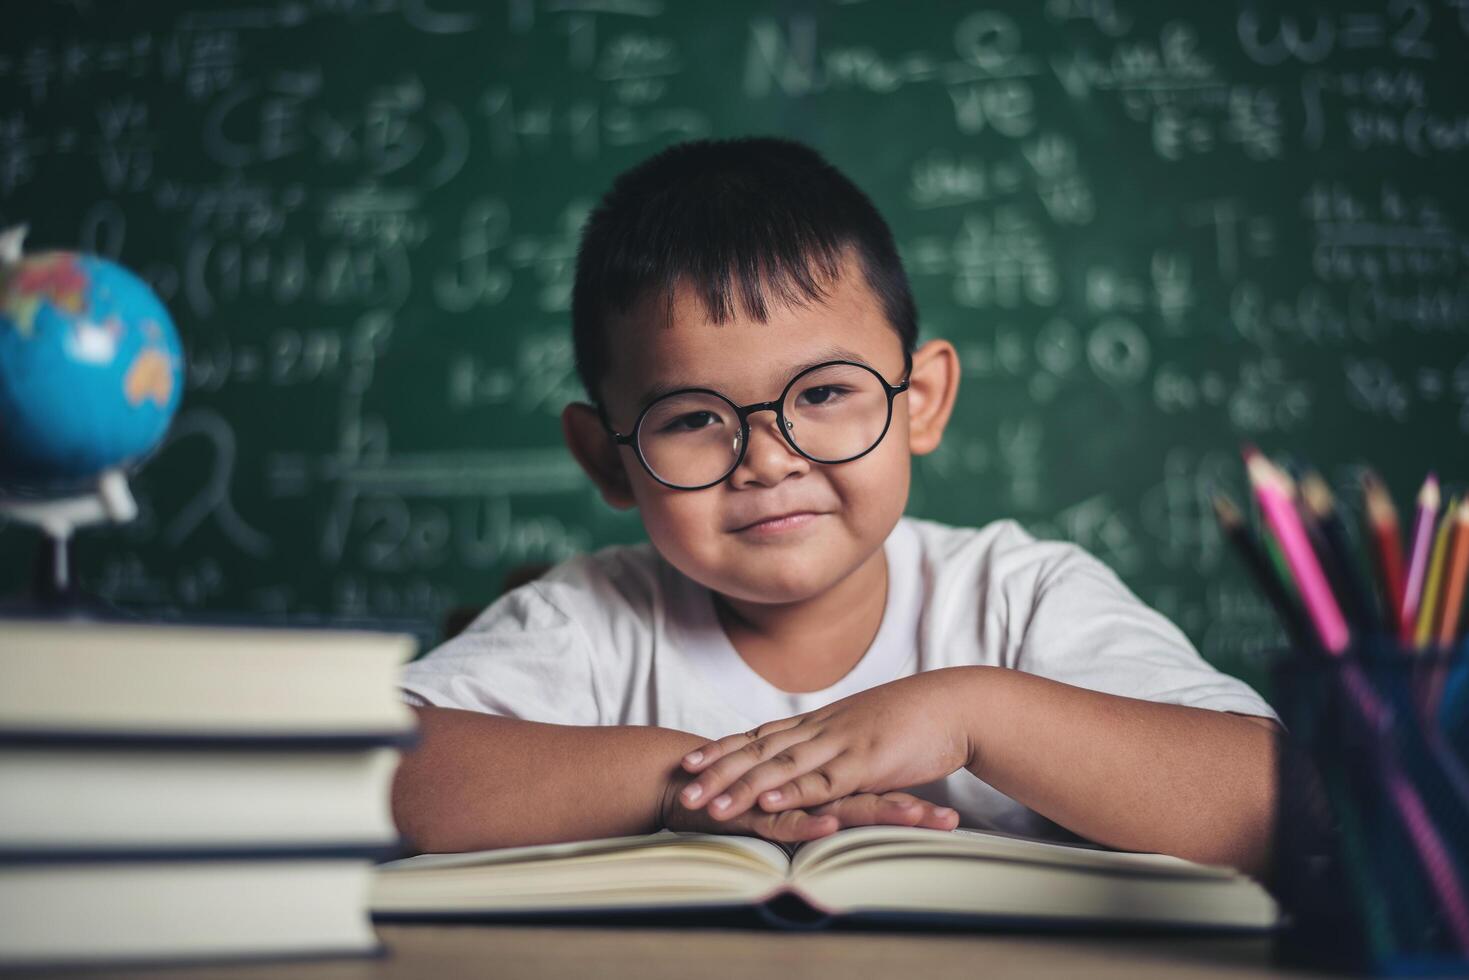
x=698, y=636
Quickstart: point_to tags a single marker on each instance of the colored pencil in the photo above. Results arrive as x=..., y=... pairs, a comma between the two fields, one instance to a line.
x=1363, y=864
x=1436, y=861
x=1432, y=583
x=1387, y=548
x=1266, y=576
x=1277, y=558
x=1275, y=494
x=1428, y=499
x=1271, y=549
x=1456, y=578
x=1337, y=551
x=1434, y=857
x=1316, y=534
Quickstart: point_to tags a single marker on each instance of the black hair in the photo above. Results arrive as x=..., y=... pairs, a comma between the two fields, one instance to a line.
x=736, y=220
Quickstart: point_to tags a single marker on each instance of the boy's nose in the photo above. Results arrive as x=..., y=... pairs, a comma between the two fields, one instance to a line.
x=768, y=458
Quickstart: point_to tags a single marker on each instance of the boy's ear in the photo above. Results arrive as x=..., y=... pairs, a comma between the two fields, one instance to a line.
x=932, y=386
x=597, y=453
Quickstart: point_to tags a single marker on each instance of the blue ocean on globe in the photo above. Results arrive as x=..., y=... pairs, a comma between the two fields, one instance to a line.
x=91, y=370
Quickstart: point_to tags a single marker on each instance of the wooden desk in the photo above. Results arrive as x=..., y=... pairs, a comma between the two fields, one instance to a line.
x=432, y=952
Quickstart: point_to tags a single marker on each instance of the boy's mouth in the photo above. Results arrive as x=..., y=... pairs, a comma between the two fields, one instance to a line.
x=780, y=522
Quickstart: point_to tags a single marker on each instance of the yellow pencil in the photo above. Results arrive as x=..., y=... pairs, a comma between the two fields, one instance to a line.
x=1424, y=633
x=1455, y=576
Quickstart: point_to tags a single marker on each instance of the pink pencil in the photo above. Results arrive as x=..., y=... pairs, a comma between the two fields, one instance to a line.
x=1272, y=490
x=1418, y=558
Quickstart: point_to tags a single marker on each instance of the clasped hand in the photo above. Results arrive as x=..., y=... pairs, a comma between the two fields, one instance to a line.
x=901, y=734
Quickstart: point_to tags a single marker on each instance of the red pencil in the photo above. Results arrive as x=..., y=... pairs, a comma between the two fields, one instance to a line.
x=1387, y=548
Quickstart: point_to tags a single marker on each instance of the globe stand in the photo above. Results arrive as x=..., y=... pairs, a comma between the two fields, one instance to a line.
x=54, y=588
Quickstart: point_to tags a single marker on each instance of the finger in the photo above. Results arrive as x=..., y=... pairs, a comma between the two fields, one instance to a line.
x=780, y=769
x=713, y=780
x=863, y=809
x=706, y=754
x=828, y=780
x=931, y=814
x=940, y=818
x=891, y=808
x=795, y=825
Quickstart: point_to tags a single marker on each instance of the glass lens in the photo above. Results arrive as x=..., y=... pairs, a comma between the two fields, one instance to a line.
x=690, y=440
x=836, y=412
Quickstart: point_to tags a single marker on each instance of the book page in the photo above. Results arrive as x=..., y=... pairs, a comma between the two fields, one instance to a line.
x=1005, y=876
x=746, y=850
x=662, y=870
x=1010, y=890
x=864, y=843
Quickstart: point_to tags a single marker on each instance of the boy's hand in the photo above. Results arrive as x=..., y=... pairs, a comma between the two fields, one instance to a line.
x=790, y=826
x=904, y=733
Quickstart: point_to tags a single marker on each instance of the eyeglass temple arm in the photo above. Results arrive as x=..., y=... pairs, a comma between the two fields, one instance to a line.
x=617, y=437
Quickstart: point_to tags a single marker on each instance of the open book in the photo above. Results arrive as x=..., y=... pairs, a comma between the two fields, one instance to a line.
x=874, y=874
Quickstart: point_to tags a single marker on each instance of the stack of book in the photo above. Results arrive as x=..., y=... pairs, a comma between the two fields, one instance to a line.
x=187, y=793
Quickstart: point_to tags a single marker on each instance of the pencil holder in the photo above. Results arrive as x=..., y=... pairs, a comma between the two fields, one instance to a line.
x=1372, y=824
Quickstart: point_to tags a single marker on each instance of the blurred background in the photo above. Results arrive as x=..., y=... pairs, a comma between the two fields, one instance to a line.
x=1154, y=231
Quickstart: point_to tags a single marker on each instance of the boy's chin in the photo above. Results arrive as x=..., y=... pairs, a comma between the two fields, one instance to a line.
x=791, y=587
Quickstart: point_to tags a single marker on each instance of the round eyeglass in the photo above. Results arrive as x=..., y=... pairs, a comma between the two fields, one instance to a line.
x=743, y=412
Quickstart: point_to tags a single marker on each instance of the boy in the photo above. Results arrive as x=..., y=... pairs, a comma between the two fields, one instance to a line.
x=789, y=654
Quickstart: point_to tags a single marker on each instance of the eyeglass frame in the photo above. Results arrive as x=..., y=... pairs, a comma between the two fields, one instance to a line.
x=743, y=412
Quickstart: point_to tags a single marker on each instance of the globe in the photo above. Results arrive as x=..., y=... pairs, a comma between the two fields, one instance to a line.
x=91, y=370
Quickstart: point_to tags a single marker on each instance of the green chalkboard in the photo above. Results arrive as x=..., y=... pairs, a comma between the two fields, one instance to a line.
x=1154, y=231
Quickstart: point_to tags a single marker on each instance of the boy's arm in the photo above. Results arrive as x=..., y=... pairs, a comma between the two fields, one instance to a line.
x=476, y=781
x=1132, y=774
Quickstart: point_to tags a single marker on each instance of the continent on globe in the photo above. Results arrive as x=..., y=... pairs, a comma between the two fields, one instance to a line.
x=51, y=277
x=150, y=376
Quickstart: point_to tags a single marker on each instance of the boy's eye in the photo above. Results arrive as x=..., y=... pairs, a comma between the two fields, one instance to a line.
x=823, y=394
x=691, y=422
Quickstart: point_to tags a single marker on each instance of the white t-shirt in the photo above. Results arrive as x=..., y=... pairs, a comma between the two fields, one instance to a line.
x=621, y=637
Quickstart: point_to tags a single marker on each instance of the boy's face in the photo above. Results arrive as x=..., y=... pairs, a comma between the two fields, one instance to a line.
x=705, y=533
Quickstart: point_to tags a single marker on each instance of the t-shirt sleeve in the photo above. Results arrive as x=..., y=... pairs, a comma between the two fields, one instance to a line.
x=521, y=658
x=1086, y=628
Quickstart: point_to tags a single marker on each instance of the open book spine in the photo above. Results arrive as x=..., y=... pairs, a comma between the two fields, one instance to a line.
x=789, y=908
